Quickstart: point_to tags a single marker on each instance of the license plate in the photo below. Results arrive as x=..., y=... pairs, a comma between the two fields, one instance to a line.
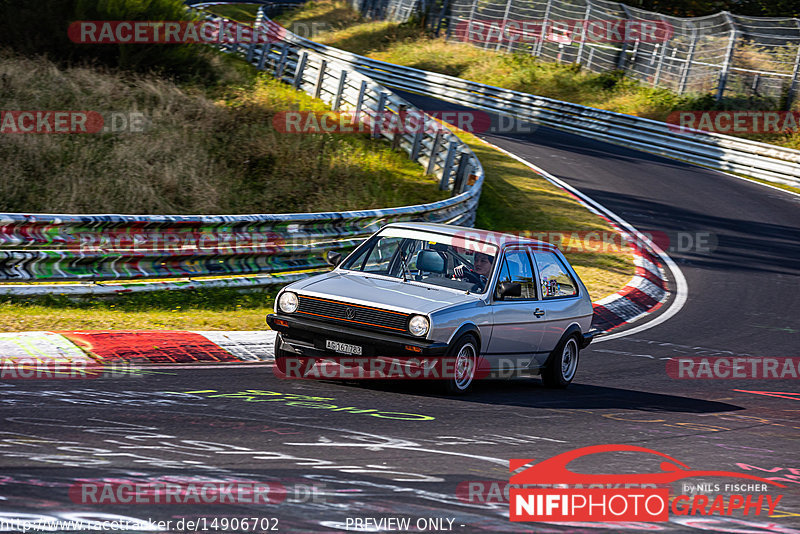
x=343, y=348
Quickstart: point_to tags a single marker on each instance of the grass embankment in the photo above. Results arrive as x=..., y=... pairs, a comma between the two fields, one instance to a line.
x=205, y=151
x=409, y=45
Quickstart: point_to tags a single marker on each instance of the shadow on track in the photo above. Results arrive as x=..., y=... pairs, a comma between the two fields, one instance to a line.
x=529, y=393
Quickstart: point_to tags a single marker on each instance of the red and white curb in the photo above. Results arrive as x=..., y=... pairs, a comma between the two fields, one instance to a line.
x=147, y=347
x=643, y=294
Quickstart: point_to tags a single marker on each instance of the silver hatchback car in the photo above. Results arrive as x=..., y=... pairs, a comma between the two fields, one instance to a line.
x=437, y=301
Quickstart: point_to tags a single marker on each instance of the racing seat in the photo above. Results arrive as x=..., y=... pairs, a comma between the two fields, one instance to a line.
x=431, y=261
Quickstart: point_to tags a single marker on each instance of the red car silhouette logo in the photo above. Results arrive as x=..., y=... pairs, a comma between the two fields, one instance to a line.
x=554, y=470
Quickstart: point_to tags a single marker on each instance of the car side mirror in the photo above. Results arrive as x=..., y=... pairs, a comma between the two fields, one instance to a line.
x=333, y=258
x=509, y=289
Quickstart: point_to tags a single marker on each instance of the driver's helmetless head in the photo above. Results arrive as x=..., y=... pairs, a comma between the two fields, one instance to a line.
x=483, y=263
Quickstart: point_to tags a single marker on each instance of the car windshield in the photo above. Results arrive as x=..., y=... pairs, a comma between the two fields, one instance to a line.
x=441, y=260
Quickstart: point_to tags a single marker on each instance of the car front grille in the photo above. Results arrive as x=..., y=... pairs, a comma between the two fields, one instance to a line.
x=353, y=314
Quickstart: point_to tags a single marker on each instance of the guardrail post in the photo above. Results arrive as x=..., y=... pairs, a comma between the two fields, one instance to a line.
x=250, y=50
x=469, y=22
x=337, y=101
x=401, y=125
x=360, y=102
x=434, y=150
x=416, y=145
x=438, y=21
x=663, y=55
x=583, y=30
x=444, y=183
x=318, y=85
x=623, y=52
x=461, y=172
x=263, y=58
x=660, y=66
x=503, y=25
x=793, y=82
x=298, y=73
x=281, y=64
x=544, y=28
x=377, y=122
x=726, y=65
x=688, y=65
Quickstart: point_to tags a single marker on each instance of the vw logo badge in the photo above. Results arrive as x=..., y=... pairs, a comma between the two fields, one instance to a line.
x=350, y=313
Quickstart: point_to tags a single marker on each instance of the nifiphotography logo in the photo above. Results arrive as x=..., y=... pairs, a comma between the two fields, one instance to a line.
x=548, y=491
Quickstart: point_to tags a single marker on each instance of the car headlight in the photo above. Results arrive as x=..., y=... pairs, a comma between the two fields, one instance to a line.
x=418, y=325
x=287, y=302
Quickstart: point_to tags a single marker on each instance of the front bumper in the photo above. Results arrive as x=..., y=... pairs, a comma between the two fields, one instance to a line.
x=308, y=338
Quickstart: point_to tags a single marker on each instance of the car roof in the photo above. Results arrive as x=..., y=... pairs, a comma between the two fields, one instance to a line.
x=484, y=236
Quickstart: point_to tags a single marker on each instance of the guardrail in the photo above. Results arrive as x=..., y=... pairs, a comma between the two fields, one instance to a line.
x=721, y=152
x=44, y=247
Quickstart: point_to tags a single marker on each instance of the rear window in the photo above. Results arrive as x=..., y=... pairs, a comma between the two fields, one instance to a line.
x=554, y=277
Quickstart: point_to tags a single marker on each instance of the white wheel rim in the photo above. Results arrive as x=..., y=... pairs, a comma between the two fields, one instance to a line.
x=465, y=367
x=569, y=360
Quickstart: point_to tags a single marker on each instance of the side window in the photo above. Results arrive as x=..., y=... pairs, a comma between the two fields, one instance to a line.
x=517, y=268
x=556, y=280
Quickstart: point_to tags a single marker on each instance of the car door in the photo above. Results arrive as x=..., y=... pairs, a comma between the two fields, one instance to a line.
x=516, y=330
x=560, y=299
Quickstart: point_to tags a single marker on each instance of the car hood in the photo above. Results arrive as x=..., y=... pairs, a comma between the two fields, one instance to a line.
x=407, y=297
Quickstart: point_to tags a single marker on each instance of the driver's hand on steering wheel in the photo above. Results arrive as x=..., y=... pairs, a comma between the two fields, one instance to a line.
x=461, y=271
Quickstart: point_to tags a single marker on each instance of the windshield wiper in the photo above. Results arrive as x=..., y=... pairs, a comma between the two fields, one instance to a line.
x=403, y=264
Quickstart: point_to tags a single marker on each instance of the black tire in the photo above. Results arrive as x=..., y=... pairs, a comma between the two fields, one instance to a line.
x=562, y=364
x=462, y=362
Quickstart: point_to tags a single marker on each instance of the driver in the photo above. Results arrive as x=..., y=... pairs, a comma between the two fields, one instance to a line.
x=480, y=274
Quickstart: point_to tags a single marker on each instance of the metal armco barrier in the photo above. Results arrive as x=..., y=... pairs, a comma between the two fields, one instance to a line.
x=96, y=248
x=721, y=152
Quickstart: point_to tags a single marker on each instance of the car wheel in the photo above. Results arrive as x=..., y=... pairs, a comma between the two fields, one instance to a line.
x=462, y=362
x=563, y=363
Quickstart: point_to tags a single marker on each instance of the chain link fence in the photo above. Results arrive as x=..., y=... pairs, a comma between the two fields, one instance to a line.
x=723, y=54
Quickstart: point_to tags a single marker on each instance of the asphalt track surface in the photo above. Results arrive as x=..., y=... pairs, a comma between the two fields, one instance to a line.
x=347, y=451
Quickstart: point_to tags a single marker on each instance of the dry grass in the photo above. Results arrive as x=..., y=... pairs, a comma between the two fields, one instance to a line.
x=198, y=155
